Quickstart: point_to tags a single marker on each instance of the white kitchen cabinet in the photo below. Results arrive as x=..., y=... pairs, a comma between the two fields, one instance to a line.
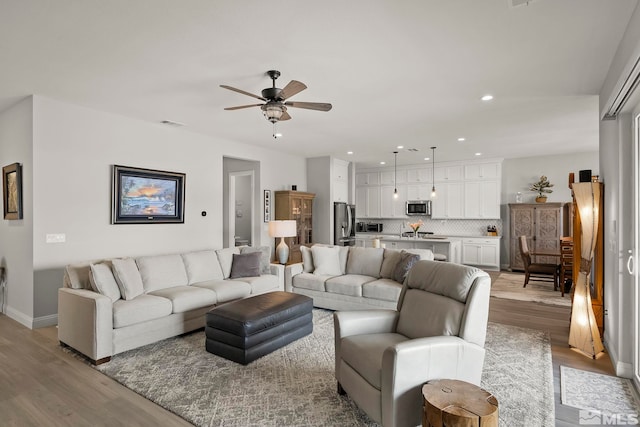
x=448, y=173
x=368, y=202
x=482, y=200
x=368, y=178
x=474, y=171
x=418, y=192
x=391, y=207
x=419, y=175
x=481, y=252
x=391, y=178
x=449, y=201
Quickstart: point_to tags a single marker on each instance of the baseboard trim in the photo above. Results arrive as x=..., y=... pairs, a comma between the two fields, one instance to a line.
x=30, y=322
x=623, y=369
x=20, y=317
x=45, y=321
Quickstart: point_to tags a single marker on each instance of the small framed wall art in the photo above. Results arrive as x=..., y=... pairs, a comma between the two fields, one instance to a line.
x=141, y=196
x=267, y=205
x=12, y=191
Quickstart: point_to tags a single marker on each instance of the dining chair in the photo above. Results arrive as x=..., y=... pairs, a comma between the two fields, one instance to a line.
x=538, y=271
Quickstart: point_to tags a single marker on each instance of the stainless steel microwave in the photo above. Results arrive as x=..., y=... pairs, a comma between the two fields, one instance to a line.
x=418, y=208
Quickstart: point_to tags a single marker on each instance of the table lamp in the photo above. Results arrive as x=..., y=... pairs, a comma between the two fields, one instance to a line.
x=282, y=229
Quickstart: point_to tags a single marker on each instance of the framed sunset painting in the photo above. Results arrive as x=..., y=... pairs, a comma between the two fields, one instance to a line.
x=141, y=196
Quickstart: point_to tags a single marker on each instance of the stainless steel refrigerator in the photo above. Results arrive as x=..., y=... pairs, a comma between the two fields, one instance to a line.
x=344, y=224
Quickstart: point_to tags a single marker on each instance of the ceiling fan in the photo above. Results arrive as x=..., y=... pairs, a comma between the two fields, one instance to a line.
x=275, y=106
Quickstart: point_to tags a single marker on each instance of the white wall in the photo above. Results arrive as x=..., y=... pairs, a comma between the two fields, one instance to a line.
x=16, y=236
x=319, y=182
x=616, y=166
x=73, y=150
x=243, y=207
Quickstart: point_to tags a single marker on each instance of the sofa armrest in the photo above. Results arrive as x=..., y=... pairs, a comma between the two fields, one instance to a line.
x=85, y=322
x=278, y=270
x=290, y=271
x=406, y=366
x=359, y=322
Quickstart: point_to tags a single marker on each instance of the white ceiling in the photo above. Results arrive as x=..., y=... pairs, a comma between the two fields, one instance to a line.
x=407, y=72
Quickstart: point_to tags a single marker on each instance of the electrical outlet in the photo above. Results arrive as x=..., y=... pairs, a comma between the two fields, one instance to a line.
x=56, y=238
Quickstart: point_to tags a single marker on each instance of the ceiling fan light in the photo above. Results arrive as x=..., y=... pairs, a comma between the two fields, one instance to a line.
x=272, y=112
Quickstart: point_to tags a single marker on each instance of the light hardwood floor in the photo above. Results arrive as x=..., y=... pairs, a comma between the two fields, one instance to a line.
x=41, y=385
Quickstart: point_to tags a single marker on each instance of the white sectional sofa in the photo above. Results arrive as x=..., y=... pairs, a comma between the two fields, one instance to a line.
x=352, y=278
x=110, y=306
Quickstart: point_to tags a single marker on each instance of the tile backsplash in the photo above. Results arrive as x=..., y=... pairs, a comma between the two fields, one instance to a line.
x=448, y=227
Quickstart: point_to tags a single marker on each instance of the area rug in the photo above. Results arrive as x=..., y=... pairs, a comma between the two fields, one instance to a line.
x=509, y=286
x=295, y=386
x=601, y=394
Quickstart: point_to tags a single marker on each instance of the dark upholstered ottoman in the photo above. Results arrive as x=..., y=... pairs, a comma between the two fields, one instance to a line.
x=246, y=330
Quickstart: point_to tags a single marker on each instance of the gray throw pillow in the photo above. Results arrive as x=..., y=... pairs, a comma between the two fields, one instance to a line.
x=245, y=265
x=265, y=256
x=403, y=266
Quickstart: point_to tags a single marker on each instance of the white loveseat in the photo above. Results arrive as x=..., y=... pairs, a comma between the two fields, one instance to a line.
x=363, y=278
x=177, y=291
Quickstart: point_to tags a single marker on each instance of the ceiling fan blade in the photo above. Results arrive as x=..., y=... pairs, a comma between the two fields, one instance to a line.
x=292, y=88
x=318, y=106
x=239, y=107
x=285, y=116
x=243, y=92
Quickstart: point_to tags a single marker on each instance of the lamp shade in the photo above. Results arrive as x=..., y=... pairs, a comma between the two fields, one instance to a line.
x=286, y=228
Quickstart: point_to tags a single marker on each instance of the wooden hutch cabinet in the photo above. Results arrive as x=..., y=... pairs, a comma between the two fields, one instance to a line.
x=296, y=205
x=542, y=223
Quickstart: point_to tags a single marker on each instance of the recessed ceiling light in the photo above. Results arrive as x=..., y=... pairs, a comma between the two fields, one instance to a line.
x=487, y=97
x=383, y=163
x=461, y=139
x=277, y=135
x=426, y=158
x=400, y=147
x=478, y=154
x=349, y=152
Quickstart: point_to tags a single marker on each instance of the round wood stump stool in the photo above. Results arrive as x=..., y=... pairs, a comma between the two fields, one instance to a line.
x=454, y=403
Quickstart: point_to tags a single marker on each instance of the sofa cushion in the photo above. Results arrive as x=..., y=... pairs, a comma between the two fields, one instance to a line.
x=261, y=284
x=202, y=266
x=185, y=298
x=382, y=289
x=245, y=265
x=162, y=271
x=364, y=354
x=128, y=278
x=140, y=309
x=326, y=260
x=349, y=284
x=389, y=262
x=310, y=281
x=225, y=257
x=103, y=282
x=265, y=256
x=226, y=290
x=365, y=261
x=407, y=260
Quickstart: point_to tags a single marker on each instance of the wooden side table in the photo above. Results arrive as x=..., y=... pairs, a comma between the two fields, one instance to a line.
x=454, y=403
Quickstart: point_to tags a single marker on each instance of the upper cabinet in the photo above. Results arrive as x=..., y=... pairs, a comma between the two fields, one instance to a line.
x=368, y=178
x=392, y=178
x=448, y=173
x=421, y=175
x=475, y=171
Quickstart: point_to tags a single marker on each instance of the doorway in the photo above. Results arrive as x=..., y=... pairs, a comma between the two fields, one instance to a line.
x=632, y=260
x=241, y=208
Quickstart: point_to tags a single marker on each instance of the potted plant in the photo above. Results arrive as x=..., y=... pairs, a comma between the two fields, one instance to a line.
x=542, y=187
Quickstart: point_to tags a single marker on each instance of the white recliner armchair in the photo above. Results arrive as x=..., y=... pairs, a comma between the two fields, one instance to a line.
x=383, y=357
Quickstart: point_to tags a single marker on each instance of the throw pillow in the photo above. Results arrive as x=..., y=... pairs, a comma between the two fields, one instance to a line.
x=128, y=278
x=326, y=260
x=103, y=282
x=307, y=259
x=391, y=258
x=225, y=258
x=245, y=265
x=265, y=256
x=406, y=261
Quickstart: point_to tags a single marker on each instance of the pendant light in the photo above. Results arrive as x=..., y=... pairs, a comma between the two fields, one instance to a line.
x=395, y=174
x=433, y=172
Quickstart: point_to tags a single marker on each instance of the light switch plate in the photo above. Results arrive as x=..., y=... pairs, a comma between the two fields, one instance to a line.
x=56, y=238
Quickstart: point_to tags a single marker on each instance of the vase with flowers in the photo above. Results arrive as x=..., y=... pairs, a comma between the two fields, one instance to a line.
x=542, y=187
x=415, y=226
